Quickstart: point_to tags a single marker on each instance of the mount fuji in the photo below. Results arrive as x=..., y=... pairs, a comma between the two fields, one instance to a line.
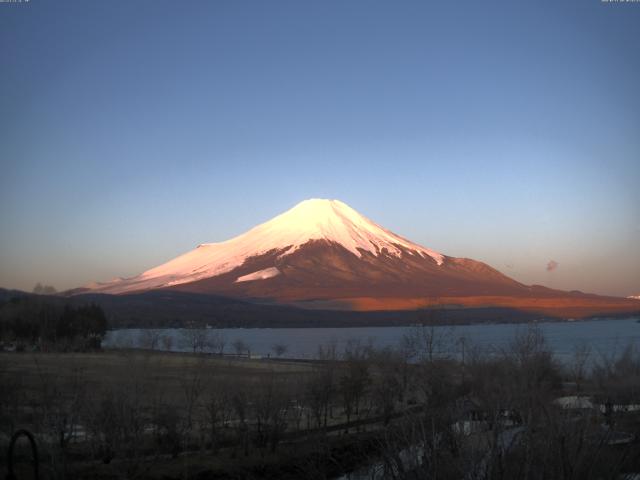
x=323, y=254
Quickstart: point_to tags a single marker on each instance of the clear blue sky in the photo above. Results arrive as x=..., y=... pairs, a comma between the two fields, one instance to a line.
x=508, y=132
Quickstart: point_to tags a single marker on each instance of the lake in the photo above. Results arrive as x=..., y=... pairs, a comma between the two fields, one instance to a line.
x=604, y=337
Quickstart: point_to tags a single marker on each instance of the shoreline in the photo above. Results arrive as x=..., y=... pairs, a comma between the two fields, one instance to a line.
x=390, y=324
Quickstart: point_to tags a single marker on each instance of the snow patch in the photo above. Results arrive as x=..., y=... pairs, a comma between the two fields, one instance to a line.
x=259, y=275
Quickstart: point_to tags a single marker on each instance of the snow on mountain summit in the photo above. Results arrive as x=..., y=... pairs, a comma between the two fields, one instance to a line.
x=333, y=220
x=315, y=219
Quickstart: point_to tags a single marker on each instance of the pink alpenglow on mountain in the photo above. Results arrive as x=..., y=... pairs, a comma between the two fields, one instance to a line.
x=324, y=254
x=316, y=219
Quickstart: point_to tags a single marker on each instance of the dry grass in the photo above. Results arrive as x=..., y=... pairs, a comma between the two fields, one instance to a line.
x=101, y=370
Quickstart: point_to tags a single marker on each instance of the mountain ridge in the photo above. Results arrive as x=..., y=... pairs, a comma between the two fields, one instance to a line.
x=322, y=254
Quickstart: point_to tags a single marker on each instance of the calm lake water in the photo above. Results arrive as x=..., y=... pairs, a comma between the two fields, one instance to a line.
x=603, y=336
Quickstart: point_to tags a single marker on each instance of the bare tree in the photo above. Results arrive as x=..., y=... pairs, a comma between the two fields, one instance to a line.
x=150, y=338
x=59, y=410
x=217, y=342
x=196, y=339
x=167, y=342
x=166, y=419
x=117, y=420
x=240, y=346
x=617, y=375
x=320, y=385
x=279, y=349
x=578, y=365
x=425, y=342
x=269, y=408
x=192, y=383
x=240, y=401
x=328, y=352
x=355, y=378
x=386, y=382
x=218, y=409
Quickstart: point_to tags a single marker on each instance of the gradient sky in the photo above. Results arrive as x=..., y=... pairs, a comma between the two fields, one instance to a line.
x=508, y=132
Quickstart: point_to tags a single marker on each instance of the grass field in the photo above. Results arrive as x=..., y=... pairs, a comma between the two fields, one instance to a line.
x=166, y=373
x=113, y=365
x=45, y=390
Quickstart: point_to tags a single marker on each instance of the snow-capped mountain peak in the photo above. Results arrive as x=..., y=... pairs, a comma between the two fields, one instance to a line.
x=315, y=219
x=332, y=220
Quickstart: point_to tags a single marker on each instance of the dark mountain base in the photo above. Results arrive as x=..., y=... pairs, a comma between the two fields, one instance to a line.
x=167, y=308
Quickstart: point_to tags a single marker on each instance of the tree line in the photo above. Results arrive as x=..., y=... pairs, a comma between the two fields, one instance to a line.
x=41, y=323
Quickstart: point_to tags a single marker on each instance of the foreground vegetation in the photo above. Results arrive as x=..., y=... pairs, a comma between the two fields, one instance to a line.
x=400, y=414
